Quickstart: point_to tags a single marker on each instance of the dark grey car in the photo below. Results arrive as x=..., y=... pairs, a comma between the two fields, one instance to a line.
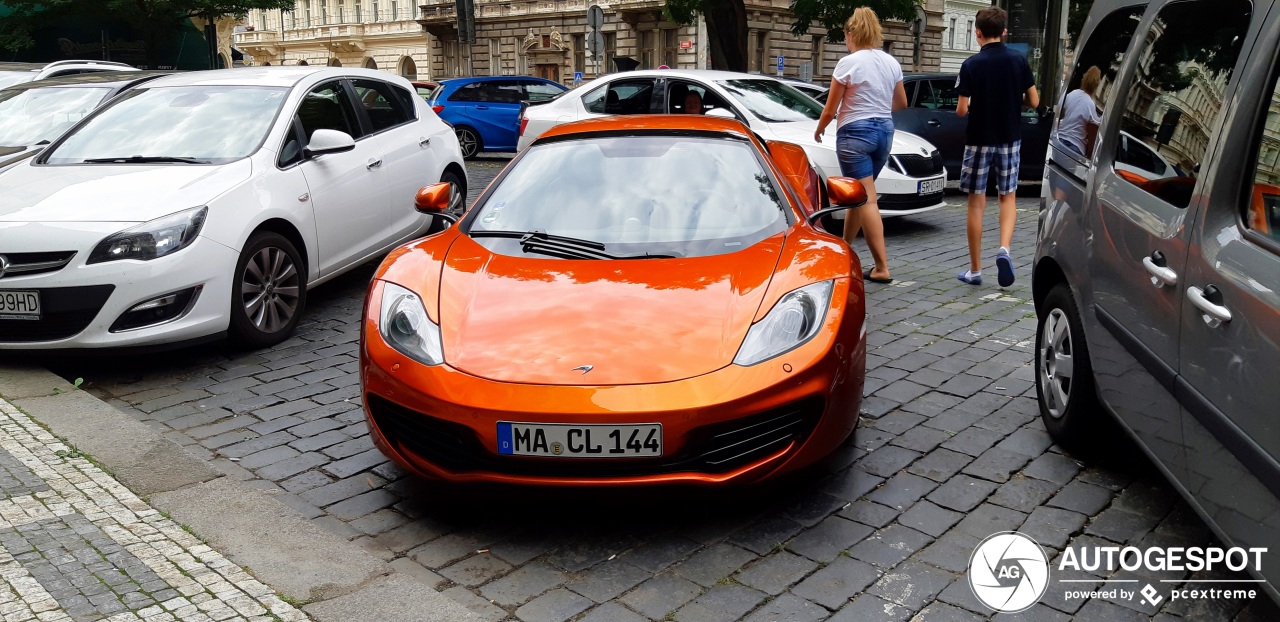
x=1158, y=292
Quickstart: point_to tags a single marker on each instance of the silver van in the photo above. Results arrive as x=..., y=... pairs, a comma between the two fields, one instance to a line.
x=1157, y=270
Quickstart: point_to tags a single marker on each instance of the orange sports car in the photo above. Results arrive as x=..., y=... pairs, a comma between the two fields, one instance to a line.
x=634, y=300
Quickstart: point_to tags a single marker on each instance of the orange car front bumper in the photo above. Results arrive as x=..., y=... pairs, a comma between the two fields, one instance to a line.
x=737, y=424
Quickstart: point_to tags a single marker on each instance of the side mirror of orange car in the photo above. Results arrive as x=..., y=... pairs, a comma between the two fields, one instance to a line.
x=844, y=193
x=434, y=199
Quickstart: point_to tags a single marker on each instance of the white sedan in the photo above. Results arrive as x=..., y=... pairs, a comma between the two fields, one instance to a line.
x=912, y=182
x=208, y=202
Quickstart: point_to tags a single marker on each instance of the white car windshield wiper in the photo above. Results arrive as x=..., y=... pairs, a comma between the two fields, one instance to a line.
x=562, y=246
x=138, y=159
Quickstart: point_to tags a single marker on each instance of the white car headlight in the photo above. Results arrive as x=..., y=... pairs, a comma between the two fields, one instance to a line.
x=791, y=323
x=404, y=325
x=149, y=240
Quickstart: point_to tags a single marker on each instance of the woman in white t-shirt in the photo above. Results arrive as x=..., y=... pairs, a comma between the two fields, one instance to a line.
x=865, y=90
x=1080, y=117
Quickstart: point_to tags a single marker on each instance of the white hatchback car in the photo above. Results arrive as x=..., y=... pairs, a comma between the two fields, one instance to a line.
x=912, y=182
x=18, y=73
x=208, y=202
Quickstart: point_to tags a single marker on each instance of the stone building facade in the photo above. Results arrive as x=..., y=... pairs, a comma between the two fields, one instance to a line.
x=958, y=39
x=548, y=38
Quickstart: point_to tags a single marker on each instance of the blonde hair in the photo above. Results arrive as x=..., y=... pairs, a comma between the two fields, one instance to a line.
x=863, y=29
x=1092, y=78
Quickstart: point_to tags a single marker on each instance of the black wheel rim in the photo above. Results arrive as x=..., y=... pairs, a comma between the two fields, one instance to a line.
x=269, y=289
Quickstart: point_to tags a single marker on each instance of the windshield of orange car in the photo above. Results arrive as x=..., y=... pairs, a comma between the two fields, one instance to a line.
x=672, y=195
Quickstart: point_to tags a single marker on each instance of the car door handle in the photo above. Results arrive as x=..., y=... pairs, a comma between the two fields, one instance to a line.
x=1209, y=302
x=373, y=164
x=934, y=122
x=1161, y=276
x=482, y=107
x=424, y=143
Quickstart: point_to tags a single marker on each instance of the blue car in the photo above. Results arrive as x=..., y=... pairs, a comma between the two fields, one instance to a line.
x=485, y=112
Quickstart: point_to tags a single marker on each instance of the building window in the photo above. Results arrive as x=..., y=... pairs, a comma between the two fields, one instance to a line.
x=495, y=58
x=450, y=58
x=815, y=68
x=647, y=51
x=610, y=51
x=408, y=68
x=888, y=47
x=670, y=46
x=579, y=53
x=395, y=10
x=951, y=34
x=762, y=41
x=308, y=12
x=342, y=13
x=969, y=37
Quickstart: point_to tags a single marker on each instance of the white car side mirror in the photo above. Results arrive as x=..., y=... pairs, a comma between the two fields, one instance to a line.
x=720, y=112
x=329, y=141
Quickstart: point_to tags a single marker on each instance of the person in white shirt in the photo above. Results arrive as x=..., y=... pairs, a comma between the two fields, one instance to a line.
x=1080, y=118
x=866, y=88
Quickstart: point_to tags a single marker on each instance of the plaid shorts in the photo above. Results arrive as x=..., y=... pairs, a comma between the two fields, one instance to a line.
x=978, y=159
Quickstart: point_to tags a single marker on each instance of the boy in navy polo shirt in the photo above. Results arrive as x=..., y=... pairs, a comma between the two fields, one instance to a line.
x=993, y=85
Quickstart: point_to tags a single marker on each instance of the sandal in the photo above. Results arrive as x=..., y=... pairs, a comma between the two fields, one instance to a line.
x=876, y=279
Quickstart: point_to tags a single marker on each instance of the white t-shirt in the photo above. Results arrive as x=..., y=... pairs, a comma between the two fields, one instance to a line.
x=869, y=77
x=1078, y=109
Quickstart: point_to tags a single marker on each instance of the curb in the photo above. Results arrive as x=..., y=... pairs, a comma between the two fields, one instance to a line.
x=338, y=579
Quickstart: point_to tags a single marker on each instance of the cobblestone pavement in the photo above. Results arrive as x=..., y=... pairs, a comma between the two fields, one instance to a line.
x=75, y=545
x=949, y=451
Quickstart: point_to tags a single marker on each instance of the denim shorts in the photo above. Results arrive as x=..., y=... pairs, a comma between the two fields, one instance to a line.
x=863, y=147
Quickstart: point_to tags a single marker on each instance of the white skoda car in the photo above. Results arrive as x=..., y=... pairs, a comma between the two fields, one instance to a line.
x=910, y=183
x=204, y=203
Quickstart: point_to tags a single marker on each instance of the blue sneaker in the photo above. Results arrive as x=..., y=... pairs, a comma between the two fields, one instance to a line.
x=1004, y=268
x=972, y=280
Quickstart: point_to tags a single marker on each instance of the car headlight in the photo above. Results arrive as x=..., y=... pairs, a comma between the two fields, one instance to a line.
x=792, y=322
x=404, y=325
x=149, y=240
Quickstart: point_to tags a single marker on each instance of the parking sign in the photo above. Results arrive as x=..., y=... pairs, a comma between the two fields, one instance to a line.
x=782, y=62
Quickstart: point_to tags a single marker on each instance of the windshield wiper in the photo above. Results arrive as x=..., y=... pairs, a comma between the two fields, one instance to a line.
x=138, y=159
x=561, y=246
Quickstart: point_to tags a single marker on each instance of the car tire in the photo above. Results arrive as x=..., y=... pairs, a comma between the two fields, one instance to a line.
x=1065, y=387
x=457, y=206
x=468, y=141
x=268, y=292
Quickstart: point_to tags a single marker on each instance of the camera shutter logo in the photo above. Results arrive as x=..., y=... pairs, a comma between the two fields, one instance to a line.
x=1008, y=572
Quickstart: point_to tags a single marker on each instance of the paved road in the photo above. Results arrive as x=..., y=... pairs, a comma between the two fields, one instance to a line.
x=950, y=450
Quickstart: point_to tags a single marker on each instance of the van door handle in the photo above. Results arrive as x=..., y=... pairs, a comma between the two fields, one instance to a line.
x=373, y=164
x=424, y=143
x=934, y=122
x=1161, y=274
x=1209, y=302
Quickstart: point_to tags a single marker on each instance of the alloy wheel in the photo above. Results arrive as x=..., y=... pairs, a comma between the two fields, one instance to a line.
x=468, y=142
x=1056, y=362
x=269, y=289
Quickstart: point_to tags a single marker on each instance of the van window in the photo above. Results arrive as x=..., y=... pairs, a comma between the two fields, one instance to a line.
x=1105, y=50
x=1175, y=101
x=1262, y=213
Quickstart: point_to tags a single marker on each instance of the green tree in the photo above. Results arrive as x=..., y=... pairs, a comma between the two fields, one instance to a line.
x=154, y=20
x=727, y=22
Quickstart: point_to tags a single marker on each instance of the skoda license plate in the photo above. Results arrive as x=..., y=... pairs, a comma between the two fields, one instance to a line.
x=558, y=440
x=19, y=305
x=932, y=186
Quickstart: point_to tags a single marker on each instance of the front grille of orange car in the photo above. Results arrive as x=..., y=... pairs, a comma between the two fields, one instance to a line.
x=715, y=448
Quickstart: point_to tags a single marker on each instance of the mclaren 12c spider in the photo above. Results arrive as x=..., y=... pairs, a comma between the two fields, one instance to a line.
x=634, y=300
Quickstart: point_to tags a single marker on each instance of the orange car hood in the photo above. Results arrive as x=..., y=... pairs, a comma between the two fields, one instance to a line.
x=533, y=320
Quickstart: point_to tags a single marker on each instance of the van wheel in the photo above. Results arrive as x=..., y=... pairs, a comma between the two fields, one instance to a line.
x=468, y=141
x=269, y=291
x=1064, y=376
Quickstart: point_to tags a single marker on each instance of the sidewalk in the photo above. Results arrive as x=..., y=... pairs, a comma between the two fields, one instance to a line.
x=78, y=542
x=77, y=545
